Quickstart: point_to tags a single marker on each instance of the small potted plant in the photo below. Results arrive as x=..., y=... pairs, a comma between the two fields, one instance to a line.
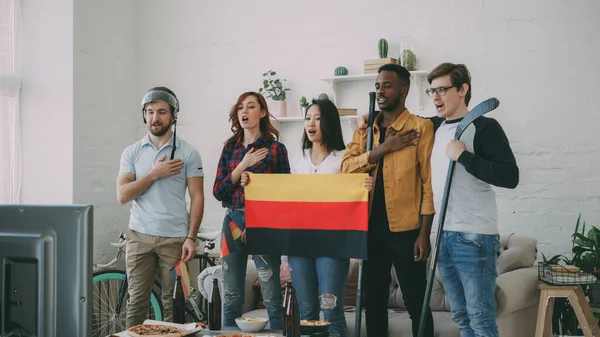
x=586, y=259
x=273, y=88
x=407, y=57
x=303, y=105
x=586, y=255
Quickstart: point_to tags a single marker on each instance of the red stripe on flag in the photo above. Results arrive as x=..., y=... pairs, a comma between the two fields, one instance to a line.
x=308, y=215
x=224, y=248
x=180, y=269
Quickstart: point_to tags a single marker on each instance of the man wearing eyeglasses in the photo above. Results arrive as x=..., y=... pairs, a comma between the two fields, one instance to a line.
x=470, y=241
x=401, y=203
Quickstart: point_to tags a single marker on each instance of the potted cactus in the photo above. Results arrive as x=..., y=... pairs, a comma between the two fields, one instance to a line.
x=382, y=47
x=273, y=88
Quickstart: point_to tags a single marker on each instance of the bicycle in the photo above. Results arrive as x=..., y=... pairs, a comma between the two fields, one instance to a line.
x=109, y=291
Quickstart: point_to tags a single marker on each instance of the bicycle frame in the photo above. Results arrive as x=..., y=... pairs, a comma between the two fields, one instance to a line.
x=196, y=313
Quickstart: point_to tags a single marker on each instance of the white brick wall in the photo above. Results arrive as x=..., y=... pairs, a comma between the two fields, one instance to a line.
x=539, y=58
x=106, y=105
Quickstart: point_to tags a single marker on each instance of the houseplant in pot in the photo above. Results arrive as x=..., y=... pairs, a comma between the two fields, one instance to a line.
x=303, y=106
x=564, y=320
x=273, y=88
x=586, y=255
x=586, y=258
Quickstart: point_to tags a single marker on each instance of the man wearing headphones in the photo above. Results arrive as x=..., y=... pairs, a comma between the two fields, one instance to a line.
x=154, y=173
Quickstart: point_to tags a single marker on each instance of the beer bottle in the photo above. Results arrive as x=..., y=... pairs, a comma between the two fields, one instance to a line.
x=286, y=296
x=214, y=307
x=178, y=302
x=294, y=316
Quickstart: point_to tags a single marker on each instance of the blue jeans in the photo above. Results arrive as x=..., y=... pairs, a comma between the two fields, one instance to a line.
x=467, y=264
x=320, y=283
x=234, y=281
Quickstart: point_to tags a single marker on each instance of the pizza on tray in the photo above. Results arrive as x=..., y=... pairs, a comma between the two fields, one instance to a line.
x=155, y=330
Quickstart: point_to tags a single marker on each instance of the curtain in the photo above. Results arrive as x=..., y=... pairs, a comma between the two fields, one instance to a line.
x=10, y=88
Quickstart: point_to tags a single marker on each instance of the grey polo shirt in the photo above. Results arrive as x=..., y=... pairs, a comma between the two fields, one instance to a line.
x=161, y=210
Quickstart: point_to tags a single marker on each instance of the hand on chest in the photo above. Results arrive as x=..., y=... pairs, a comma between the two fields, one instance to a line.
x=402, y=149
x=162, y=165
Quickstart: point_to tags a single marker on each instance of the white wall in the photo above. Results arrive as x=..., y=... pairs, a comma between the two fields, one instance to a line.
x=107, y=112
x=544, y=74
x=47, y=102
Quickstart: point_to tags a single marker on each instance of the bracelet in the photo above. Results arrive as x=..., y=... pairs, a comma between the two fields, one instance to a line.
x=187, y=237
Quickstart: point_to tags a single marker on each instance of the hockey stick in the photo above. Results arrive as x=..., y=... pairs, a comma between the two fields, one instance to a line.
x=478, y=111
x=358, y=318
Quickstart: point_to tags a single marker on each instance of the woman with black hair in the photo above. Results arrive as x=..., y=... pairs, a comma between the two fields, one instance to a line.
x=320, y=282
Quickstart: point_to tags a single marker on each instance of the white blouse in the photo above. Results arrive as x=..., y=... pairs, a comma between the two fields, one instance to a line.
x=331, y=164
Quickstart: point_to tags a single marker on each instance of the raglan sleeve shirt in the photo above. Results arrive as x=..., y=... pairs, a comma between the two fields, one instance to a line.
x=493, y=161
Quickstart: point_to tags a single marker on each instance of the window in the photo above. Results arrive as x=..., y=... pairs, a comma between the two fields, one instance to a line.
x=10, y=87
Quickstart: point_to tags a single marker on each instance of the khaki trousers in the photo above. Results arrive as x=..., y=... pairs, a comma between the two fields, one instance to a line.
x=144, y=256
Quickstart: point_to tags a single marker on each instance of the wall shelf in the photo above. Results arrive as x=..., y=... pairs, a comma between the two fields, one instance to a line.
x=301, y=119
x=417, y=78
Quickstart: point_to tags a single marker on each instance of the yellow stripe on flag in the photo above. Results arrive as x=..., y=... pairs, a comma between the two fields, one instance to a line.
x=340, y=187
x=180, y=269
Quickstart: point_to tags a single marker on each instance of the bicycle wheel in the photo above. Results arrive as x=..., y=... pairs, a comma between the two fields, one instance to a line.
x=108, y=312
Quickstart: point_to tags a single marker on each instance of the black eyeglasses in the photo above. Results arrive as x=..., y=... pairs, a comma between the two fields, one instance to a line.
x=441, y=91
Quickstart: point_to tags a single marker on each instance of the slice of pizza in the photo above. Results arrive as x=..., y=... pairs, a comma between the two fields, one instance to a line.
x=155, y=330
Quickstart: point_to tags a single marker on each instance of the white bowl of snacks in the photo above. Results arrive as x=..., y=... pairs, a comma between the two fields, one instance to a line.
x=251, y=324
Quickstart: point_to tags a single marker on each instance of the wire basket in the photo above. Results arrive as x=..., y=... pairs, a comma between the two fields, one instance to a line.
x=564, y=275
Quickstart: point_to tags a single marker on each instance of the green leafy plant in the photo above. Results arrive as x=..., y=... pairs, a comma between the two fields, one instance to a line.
x=273, y=87
x=408, y=59
x=586, y=256
x=303, y=102
x=586, y=248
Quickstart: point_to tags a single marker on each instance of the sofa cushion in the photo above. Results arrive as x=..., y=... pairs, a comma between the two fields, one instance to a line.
x=351, y=284
x=516, y=252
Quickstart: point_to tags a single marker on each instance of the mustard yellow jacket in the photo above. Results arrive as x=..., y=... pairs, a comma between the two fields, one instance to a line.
x=406, y=173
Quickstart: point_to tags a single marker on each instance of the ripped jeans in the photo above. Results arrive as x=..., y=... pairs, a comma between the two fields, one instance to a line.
x=234, y=283
x=320, y=284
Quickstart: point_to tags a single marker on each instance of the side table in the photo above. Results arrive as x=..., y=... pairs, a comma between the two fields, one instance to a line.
x=585, y=317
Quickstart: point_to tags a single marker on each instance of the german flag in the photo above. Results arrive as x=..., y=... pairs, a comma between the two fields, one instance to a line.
x=231, y=237
x=313, y=215
x=180, y=269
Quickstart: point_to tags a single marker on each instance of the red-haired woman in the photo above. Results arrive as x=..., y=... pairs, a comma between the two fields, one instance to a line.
x=252, y=148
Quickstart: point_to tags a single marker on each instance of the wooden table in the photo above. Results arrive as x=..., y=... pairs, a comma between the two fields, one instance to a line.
x=587, y=321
